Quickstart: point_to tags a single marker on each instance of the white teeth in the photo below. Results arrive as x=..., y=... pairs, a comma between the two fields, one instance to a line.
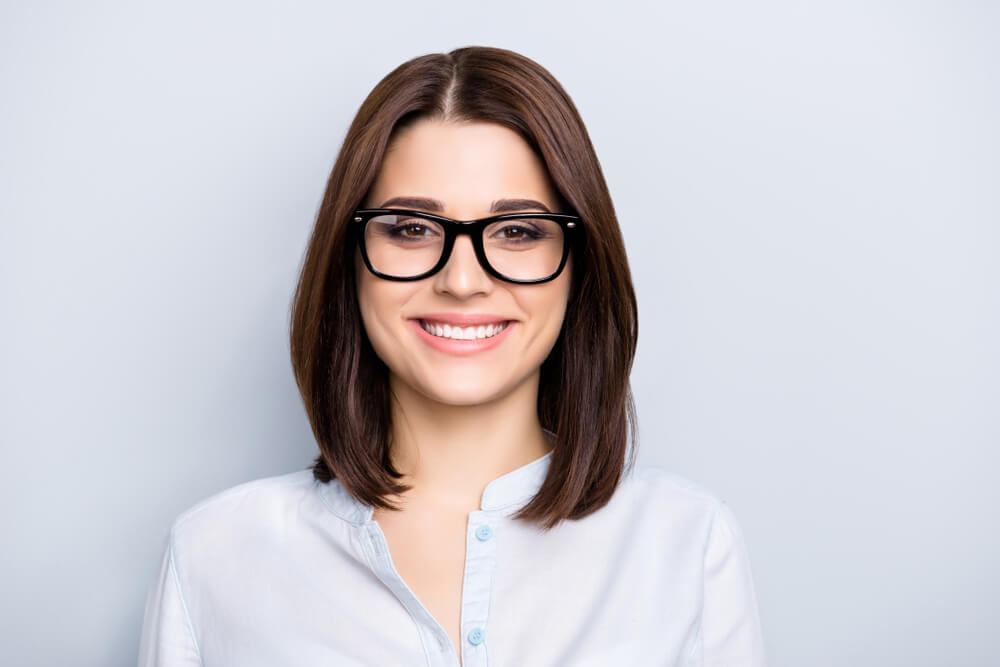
x=458, y=333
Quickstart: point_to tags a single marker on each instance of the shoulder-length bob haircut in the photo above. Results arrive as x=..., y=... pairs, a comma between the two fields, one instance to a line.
x=584, y=395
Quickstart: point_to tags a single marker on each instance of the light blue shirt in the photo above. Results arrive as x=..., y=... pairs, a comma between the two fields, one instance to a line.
x=286, y=571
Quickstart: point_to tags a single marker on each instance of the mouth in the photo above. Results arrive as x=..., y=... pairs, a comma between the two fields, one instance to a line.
x=462, y=341
x=456, y=332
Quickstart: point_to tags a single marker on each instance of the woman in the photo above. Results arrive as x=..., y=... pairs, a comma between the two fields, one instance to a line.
x=462, y=335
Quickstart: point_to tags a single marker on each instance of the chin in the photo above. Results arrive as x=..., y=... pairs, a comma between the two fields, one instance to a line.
x=476, y=394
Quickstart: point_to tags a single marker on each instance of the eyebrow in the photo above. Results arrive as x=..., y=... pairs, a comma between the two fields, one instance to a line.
x=498, y=206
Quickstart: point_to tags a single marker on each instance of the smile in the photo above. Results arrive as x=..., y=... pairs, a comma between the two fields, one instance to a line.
x=463, y=333
x=463, y=341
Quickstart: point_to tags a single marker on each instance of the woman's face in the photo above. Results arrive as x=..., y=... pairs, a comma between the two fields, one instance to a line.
x=468, y=168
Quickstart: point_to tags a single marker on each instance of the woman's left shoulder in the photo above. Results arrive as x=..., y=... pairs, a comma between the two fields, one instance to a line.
x=661, y=489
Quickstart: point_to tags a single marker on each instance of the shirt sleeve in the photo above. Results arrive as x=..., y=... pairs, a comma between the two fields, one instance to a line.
x=731, y=632
x=168, y=638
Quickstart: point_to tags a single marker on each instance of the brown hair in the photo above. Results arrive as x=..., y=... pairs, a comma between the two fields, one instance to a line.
x=584, y=395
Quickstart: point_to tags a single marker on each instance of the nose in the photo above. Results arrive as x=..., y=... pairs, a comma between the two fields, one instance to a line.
x=462, y=276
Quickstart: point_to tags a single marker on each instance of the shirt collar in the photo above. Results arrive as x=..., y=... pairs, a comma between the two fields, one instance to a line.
x=507, y=493
x=512, y=491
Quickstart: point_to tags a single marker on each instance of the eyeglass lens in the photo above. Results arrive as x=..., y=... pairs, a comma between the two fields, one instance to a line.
x=405, y=246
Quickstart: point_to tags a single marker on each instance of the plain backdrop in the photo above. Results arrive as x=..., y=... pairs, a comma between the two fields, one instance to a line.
x=809, y=197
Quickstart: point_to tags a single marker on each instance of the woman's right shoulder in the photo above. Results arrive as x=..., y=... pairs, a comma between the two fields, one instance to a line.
x=254, y=504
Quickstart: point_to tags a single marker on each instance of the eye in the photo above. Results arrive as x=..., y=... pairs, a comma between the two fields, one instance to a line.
x=519, y=232
x=411, y=230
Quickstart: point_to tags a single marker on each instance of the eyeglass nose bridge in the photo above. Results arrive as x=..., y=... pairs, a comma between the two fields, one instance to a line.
x=474, y=230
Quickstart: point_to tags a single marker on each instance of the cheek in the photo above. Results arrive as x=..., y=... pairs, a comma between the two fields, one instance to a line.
x=375, y=303
x=547, y=307
x=381, y=302
x=558, y=297
x=559, y=310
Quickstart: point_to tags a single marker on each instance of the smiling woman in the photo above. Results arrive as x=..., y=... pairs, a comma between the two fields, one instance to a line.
x=462, y=336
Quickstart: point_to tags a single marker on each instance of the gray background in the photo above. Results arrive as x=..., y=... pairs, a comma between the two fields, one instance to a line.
x=808, y=192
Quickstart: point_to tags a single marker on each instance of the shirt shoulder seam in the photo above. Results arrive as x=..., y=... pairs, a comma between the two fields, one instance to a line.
x=180, y=595
x=696, y=643
x=716, y=503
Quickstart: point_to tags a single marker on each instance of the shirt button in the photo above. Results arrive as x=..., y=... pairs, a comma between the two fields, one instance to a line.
x=484, y=533
x=475, y=637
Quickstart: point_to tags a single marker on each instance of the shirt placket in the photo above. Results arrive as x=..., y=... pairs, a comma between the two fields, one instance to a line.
x=477, y=587
x=480, y=565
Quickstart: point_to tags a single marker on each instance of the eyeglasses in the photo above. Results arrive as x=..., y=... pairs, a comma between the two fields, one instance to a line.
x=527, y=248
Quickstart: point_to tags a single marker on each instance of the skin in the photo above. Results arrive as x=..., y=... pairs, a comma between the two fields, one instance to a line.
x=459, y=422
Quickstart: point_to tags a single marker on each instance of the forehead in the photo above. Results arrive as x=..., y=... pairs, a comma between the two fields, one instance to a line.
x=465, y=165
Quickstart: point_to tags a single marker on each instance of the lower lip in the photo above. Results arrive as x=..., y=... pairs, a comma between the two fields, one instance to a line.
x=461, y=347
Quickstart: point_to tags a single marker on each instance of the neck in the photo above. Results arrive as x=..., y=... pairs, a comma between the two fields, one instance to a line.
x=449, y=453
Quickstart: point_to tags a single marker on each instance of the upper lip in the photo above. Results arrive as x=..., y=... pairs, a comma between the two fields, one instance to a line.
x=463, y=319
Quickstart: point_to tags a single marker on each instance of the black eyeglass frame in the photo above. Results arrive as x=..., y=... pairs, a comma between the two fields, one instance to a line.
x=474, y=228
